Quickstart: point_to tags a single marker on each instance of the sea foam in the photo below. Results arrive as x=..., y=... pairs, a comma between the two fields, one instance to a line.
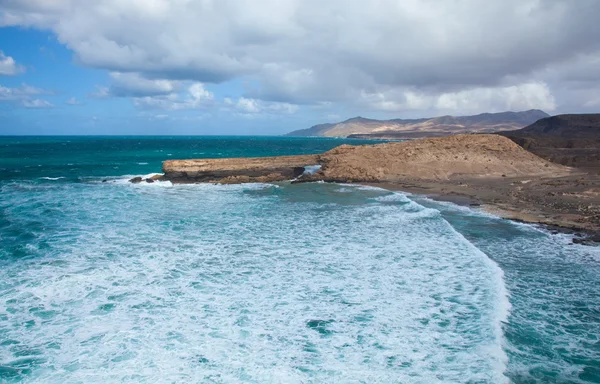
x=244, y=283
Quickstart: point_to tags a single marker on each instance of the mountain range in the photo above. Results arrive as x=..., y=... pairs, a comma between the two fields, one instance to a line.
x=360, y=127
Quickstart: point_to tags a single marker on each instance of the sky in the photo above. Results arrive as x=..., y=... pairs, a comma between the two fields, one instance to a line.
x=267, y=67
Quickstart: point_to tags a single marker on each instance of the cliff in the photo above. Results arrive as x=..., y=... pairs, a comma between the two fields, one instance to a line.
x=237, y=170
x=426, y=127
x=572, y=140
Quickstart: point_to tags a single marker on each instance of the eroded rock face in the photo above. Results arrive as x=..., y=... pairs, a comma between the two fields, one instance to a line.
x=237, y=170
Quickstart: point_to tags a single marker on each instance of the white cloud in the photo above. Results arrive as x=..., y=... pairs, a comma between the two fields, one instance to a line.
x=535, y=95
x=100, y=92
x=36, y=103
x=133, y=84
x=254, y=106
x=8, y=66
x=72, y=101
x=196, y=98
x=515, y=97
x=24, y=96
x=425, y=54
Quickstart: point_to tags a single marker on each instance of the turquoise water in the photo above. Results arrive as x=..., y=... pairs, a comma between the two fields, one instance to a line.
x=272, y=283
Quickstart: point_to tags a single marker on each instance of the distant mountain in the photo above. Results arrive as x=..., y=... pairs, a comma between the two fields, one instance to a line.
x=572, y=140
x=436, y=126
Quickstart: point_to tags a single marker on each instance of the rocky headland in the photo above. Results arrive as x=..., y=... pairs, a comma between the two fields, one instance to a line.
x=490, y=171
x=237, y=170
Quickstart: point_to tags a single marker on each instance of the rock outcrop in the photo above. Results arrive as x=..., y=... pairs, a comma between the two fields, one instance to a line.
x=237, y=170
x=151, y=179
x=447, y=158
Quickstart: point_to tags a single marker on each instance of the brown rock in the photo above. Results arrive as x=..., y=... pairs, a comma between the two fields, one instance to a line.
x=447, y=158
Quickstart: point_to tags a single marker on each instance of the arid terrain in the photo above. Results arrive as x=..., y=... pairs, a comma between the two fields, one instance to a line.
x=448, y=158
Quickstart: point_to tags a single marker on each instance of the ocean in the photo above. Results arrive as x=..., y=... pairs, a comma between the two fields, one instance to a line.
x=272, y=283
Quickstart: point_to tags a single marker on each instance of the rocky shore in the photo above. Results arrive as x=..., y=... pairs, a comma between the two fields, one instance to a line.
x=237, y=170
x=486, y=170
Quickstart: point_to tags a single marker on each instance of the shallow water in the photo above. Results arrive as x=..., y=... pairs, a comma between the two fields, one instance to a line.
x=259, y=283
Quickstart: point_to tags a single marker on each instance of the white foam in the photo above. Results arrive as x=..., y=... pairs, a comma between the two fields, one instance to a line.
x=311, y=169
x=52, y=178
x=393, y=197
x=364, y=187
x=501, y=314
x=205, y=282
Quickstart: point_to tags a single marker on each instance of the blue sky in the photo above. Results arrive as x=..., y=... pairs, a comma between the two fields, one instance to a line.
x=75, y=108
x=270, y=67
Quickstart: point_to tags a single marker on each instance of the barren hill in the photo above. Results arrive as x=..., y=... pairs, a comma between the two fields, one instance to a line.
x=426, y=127
x=447, y=158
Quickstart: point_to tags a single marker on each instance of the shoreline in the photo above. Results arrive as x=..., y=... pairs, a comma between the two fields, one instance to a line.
x=487, y=171
x=488, y=199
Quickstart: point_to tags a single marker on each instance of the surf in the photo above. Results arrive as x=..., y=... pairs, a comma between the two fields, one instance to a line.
x=254, y=283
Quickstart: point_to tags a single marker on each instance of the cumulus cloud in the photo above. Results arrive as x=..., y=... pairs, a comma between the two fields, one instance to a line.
x=254, y=106
x=493, y=99
x=134, y=85
x=24, y=96
x=435, y=54
x=8, y=66
x=196, y=97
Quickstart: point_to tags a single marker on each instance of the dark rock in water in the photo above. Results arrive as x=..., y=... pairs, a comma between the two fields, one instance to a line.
x=156, y=177
x=149, y=181
x=136, y=180
x=587, y=240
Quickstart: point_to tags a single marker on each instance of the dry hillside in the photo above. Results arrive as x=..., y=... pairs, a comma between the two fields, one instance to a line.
x=452, y=157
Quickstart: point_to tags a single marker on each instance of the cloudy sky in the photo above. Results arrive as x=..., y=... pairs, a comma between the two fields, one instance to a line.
x=272, y=66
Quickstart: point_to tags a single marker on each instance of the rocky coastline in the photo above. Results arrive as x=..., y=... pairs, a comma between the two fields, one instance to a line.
x=489, y=171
